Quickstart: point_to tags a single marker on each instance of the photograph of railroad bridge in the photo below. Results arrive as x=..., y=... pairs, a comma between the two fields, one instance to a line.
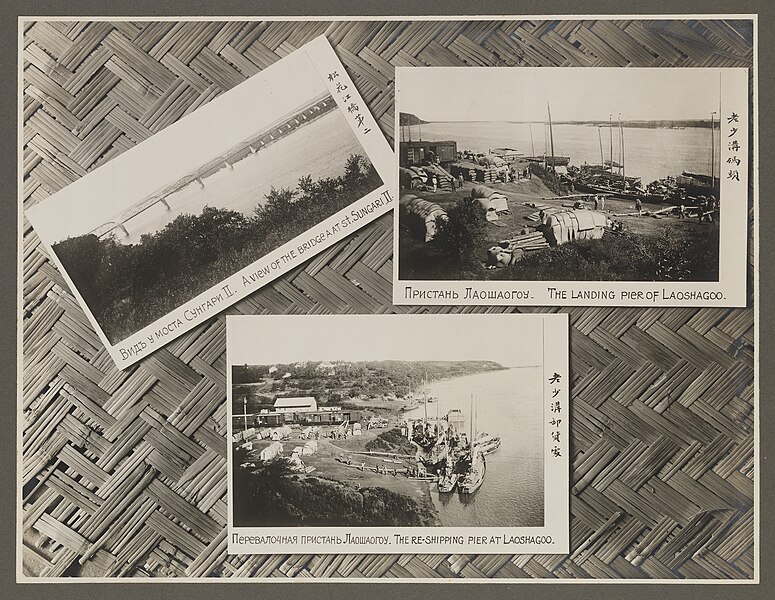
x=274, y=132
x=211, y=194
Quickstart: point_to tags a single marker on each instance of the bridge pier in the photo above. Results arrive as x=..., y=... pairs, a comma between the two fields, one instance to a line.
x=166, y=205
x=228, y=164
x=252, y=149
x=124, y=229
x=200, y=182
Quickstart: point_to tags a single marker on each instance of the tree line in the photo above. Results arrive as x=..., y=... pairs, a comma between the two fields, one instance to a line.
x=128, y=286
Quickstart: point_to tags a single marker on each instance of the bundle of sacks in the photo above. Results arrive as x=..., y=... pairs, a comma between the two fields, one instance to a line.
x=492, y=201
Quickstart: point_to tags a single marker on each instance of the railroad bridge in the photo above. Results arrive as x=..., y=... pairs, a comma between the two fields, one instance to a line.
x=279, y=129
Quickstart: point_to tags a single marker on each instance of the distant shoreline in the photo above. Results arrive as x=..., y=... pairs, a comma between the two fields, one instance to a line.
x=691, y=124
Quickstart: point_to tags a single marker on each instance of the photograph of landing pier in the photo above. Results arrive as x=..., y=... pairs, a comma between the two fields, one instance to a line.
x=222, y=189
x=560, y=174
x=389, y=421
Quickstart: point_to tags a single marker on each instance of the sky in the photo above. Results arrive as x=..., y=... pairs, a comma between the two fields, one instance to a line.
x=178, y=149
x=574, y=94
x=511, y=340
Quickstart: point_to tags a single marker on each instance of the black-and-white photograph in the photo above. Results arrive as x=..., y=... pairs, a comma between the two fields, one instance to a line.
x=210, y=196
x=379, y=431
x=596, y=175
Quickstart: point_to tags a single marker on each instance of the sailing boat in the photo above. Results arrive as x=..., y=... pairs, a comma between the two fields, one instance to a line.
x=448, y=477
x=473, y=477
x=550, y=160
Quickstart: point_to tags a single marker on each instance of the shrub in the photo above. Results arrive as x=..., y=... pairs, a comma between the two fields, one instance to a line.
x=128, y=286
x=461, y=237
x=625, y=257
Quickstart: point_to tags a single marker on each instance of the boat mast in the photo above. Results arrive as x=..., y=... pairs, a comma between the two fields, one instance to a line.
x=600, y=139
x=621, y=138
x=611, y=142
x=551, y=135
x=471, y=427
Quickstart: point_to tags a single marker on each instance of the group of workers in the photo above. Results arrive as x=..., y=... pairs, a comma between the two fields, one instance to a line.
x=707, y=209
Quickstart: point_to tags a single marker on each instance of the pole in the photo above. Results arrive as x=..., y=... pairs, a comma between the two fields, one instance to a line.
x=551, y=135
x=245, y=412
x=611, y=142
x=532, y=146
x=471, y=428
x=621, y=133
x=600, y=139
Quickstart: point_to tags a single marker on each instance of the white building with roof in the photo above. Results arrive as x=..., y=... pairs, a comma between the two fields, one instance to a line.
x=294, y=405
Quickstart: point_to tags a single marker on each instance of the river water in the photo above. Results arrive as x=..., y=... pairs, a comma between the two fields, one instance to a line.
x=649, y=153
x=319, y=149
x=508, y=404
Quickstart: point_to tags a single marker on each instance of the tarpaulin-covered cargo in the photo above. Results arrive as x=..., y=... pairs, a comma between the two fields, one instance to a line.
x=310, y=447
x=493, y=160
x=428, y=212
x=572, y=225
x=271, y=451
x=281, y=432
x=410, y=178
x=492, y=201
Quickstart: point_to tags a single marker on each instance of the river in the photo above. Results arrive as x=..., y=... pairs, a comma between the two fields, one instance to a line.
x=319, y=149
x=649, y=153
x=508, y=404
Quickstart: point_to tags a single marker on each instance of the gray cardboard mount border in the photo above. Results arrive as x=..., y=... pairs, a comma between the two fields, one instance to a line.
x=81, y=590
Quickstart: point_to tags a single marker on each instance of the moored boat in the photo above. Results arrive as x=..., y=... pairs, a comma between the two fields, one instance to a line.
x=487, y=444
x=447, y=482
x=552, y=161
x=473, y=478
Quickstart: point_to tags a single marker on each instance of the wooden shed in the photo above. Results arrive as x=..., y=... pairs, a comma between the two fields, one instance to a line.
x=418, y=153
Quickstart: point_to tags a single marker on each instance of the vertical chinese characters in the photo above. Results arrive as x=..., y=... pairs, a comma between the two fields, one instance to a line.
x=352, y=108
x=555, y=408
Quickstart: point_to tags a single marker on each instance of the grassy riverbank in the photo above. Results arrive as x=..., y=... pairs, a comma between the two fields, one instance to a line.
x=272, y=496
x=651, y=249
x=129, y=286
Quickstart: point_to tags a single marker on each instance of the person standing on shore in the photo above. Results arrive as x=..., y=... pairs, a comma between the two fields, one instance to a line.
x=702, y=206
x=638, y=206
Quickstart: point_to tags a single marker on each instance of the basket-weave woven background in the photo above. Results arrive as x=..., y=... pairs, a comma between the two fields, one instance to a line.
x=125, y=471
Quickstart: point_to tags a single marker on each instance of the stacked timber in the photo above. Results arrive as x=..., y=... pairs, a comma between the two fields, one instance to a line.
x=526, y=242
x=535, y=217
x=511, y=250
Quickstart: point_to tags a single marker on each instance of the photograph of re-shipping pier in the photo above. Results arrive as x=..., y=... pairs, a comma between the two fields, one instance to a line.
x=227, y=190
x=370, y=428
x=559, y=174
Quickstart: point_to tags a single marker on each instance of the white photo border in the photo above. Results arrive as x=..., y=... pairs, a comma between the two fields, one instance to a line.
x=729, y=291
x=276, y=263
x=552, y=538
